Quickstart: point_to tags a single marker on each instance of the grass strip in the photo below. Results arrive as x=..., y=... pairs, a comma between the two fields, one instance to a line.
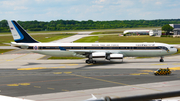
x=41, y=38
x=5, y=50
x=116, y=38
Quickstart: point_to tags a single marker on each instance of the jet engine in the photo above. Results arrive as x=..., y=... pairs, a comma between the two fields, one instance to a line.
x=103, y=55
x=114, y=56
x=98, y=55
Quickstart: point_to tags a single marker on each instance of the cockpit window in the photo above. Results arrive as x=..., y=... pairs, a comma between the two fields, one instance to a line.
x=164, y=48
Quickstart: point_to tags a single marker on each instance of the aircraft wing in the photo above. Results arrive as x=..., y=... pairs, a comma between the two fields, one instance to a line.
x=97, y=54
x=148, y=97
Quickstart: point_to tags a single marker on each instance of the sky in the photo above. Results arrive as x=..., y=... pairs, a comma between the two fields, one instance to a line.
x=97, y=10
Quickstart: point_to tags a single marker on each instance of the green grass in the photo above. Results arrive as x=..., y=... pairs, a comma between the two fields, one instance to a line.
x=116, y=38
x=5, y=33
x=50, y=37
x=41, y=38
x=5, y=50
x=65, y=58
x=5, y=39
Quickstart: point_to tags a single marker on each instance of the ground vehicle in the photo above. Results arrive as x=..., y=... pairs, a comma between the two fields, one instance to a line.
x=161, y=71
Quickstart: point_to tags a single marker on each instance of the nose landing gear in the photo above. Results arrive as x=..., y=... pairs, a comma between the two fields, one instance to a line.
x=161, y=60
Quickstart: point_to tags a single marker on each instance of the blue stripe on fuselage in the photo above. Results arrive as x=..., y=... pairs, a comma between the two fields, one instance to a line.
x=61, y=48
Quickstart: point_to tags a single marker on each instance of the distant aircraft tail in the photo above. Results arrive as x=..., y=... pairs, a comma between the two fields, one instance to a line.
x=19, y=34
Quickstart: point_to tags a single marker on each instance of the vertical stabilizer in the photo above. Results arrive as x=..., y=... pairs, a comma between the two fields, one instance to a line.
x=19, y=34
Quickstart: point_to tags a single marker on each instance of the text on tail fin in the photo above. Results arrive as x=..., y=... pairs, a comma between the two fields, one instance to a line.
x=19, y=34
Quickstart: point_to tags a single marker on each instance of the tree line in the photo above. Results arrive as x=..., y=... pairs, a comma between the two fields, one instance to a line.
x=59, y=25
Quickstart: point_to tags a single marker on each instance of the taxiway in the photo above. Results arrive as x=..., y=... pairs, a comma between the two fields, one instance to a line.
x=27, y=75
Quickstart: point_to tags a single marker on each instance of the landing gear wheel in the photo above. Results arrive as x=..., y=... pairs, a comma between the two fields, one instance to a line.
x=107, y=98
x=90, y=61
x=161, y=60
x=87, y=61
x=94, y=62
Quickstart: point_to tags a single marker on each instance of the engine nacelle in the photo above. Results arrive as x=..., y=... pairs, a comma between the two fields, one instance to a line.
x=98, y=55
x=114, y=56
x=104, y=55
x=24, y=46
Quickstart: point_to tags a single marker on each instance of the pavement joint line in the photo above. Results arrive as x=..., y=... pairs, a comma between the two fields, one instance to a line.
x=40, y=57
x=21, y=56
x=114, y=82
x=14, y=58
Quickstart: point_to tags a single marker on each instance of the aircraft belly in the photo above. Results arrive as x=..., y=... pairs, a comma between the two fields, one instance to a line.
x=129, y=53
x=56, y=53
x=148, y=53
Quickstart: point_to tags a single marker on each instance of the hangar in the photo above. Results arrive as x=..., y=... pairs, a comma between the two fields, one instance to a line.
x=176, y=29
x=144, y=32
x=141, y=32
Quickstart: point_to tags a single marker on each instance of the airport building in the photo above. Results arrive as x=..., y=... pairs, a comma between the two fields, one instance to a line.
x=140, y=32
x=144, y=32
x=176, y=29
x=155, y=32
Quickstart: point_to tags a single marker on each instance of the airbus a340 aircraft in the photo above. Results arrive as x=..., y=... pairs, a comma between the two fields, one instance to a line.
x=89, y=50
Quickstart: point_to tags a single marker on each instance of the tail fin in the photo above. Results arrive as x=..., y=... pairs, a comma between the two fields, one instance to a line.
x=19, y=34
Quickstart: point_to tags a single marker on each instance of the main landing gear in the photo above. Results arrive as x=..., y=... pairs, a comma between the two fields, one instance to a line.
x=161, y=60
x=89, y=61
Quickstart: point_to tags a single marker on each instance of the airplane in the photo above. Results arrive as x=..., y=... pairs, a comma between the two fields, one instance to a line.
x=91, y=51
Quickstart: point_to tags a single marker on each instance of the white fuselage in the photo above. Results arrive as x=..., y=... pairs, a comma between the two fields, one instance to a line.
x=78, y=49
